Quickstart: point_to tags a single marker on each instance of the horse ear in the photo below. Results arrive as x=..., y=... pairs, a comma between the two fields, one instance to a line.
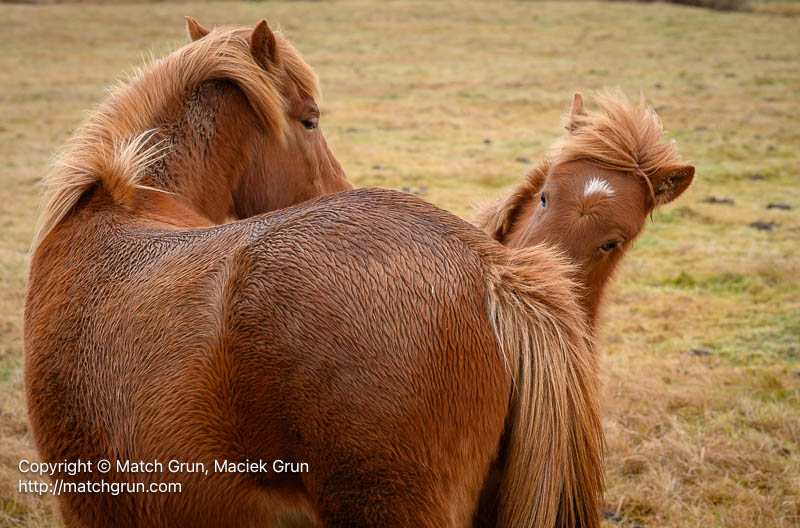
x=263, y=46
x=576, y=112
x=195, y=30
x=669, y=183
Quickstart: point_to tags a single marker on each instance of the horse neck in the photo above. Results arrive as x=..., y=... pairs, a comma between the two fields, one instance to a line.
x=210, y=138
x=592, y=299
x=596, y=283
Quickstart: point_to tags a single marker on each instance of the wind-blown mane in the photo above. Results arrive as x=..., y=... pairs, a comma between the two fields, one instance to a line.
x=115, y=144
x=622, y=137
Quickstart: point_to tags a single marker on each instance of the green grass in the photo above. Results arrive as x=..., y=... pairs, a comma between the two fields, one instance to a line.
x=442, y=98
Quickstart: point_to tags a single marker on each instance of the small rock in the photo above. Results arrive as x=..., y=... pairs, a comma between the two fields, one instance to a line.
x=522, y=159
x=783, y=206
x=730, y=75
x=754, y=176
x=763, y=226
x=698, y=352
x=378, y=167
x=701, y=127
x=406, y=190
x=487, y=141
x=658, y=85
x=770, y=148
x=715, y=200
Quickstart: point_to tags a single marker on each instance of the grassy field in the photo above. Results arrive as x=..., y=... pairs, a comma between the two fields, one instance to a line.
x=454, y=101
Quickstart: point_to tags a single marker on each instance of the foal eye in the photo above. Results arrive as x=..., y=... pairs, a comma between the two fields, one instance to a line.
x=544, y=201
x=309, y=124
x=609, y=246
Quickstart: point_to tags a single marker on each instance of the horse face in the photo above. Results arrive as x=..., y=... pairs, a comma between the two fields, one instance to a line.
x=594, y=214
x=591, y=213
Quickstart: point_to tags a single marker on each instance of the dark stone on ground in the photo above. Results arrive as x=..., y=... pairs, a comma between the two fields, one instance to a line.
x=522, y=160
x=698, y=352
x=715, y=200
x=783, y=206
x=763, y=226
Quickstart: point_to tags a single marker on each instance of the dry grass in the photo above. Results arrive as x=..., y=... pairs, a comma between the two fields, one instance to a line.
x=442, y=99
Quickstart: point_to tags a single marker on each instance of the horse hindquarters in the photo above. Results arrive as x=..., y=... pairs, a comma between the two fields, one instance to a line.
x=396, y=399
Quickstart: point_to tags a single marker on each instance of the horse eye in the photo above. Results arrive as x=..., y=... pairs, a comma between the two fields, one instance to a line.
x=309, y=124
x=609, y=246
x=544, y=201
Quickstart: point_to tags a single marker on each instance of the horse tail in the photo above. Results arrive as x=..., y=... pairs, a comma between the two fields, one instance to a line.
x=553, y=470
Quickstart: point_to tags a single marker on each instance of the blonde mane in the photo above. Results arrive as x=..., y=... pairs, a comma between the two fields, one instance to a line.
x=114, y=144
x=622, y=137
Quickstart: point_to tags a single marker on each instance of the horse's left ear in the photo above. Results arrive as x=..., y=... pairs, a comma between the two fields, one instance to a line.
x=264, y=46
x=576, y=112
x=195, y=30
x=669, y=183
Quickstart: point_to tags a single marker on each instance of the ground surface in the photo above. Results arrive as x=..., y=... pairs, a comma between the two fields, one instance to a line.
x=454, y=101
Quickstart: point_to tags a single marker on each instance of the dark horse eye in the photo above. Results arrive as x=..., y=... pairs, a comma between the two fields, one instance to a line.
x=544, y=202
x=609, y=246
x=309, y=124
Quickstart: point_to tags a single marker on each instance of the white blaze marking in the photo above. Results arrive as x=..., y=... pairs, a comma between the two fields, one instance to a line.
x=596, y=185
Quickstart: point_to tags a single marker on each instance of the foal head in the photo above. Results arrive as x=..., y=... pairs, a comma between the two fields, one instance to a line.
x=594, y=190
x=287, y=159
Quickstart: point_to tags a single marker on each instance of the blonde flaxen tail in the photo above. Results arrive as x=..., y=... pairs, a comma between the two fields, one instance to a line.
x=553, y=473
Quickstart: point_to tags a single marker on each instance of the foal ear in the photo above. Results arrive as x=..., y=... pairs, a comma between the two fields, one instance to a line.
x=263, y=46
x=195, y=30
x=669, y=183
x=576, y=112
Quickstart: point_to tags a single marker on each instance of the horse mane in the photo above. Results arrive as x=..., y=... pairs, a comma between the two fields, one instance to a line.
x=622, y=137
x=114, y=145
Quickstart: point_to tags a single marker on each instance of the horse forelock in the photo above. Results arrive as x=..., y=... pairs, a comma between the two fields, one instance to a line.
x=623, y=137
x=104, y=148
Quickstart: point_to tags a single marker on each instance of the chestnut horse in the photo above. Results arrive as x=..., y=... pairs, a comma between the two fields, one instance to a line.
x=593, y=191
x=383, y=347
